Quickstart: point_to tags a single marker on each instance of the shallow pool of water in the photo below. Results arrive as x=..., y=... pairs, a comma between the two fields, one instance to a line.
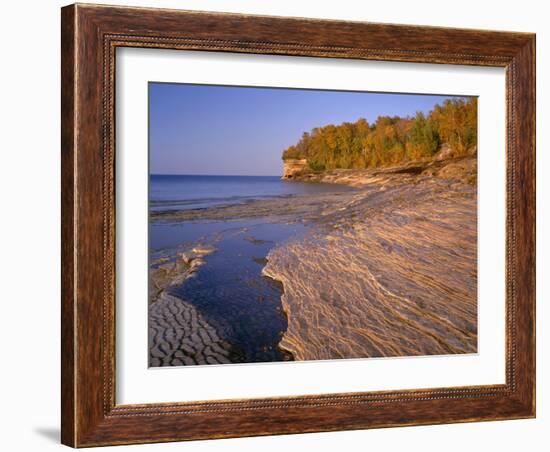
x=229, y=290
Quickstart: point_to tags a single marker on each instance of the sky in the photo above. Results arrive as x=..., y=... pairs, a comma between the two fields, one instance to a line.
x=227, y=130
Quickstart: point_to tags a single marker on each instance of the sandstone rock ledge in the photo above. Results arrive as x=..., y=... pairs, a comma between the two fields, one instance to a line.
x=461, y=169
x=294, y=168
x=392, y=273
x=178, y=334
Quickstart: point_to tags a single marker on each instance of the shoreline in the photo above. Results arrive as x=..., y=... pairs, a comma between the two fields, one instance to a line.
x=393, y=297
x=178, y=333
x=211, y=298
x=460, y=169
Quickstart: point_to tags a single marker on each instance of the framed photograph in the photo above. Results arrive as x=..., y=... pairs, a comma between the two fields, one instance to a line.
x=281, y=225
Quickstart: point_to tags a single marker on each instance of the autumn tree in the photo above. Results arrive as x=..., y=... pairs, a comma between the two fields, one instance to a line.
x=390, y=140
x=423, y=138
x=456, y=122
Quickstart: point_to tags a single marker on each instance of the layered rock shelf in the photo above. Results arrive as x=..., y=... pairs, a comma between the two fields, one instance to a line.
x=392, y=273
x=178, y=333
x=388, y=268
x=294, y=168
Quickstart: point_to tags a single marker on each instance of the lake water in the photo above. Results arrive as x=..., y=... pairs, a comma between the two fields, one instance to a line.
x=229, y=290
x=167, y=192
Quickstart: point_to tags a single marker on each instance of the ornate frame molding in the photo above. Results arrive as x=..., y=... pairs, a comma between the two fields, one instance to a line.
x=90, y=37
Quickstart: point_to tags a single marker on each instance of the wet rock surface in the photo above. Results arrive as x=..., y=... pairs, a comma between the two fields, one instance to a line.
x=178, y=333
x=212, y=305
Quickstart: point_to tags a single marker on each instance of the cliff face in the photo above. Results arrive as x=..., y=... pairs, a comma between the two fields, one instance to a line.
x=294, y=168
x=462, y=169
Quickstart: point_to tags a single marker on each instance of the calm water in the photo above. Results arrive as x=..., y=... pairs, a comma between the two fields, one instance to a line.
x=191, y=192
x=229, y=289
x=232, y=295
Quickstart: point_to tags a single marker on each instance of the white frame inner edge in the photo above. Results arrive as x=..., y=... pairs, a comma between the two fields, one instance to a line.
x=136, y=383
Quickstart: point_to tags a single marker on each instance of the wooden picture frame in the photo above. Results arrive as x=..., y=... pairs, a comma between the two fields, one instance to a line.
x=90, y=36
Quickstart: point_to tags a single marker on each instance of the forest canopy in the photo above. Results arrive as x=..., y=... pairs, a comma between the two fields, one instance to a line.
x=391, y=139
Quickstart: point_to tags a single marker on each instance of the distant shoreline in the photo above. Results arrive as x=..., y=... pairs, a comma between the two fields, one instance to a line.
x=463, y=169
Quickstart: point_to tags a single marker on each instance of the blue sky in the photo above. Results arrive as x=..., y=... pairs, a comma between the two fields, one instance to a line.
x=226, y=130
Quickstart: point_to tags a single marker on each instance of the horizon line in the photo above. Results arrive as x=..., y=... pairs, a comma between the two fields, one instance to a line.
x=216, y=175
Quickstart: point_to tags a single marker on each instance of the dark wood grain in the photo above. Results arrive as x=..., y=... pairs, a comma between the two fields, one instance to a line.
x=67, y=225
x=90, y=36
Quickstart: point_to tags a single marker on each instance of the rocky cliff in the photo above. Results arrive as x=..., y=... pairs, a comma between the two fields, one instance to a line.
x=294, y=168
x=463, y=169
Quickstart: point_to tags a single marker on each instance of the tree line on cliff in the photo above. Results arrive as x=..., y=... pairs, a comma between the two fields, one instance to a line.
x=391, y=139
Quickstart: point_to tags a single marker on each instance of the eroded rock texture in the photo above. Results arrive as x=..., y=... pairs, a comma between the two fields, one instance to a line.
x=392, y=273
x=294, y=168
x=178, y=334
